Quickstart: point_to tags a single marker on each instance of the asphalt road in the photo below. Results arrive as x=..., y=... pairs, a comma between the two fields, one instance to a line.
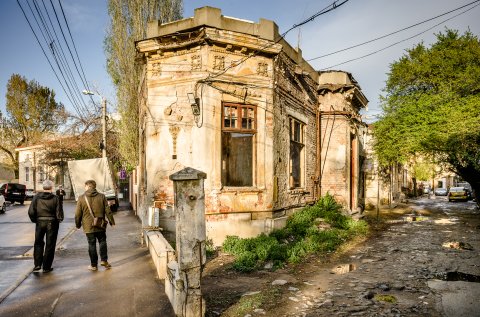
x=129, y=288
x=17, y=234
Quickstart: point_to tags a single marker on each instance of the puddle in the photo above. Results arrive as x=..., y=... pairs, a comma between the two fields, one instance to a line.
x=446, y=221
x=344, y=268
x=457, y=276
x=458, y=245
x=414, y=218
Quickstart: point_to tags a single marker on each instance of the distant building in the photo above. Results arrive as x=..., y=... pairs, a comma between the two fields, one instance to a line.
x=33, y=169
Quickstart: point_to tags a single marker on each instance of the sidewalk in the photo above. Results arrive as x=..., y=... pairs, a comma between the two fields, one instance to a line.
x=129, y=288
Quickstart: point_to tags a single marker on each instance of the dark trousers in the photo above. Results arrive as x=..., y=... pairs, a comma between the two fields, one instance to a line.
x=92, y=238
x=44, y=251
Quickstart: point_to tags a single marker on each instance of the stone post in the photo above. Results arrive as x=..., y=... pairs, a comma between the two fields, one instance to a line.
x=184, y=286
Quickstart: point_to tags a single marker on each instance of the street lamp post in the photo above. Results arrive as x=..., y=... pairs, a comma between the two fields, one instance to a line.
x=103, y=143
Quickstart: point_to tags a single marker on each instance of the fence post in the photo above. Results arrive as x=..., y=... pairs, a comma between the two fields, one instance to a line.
x=186, y=274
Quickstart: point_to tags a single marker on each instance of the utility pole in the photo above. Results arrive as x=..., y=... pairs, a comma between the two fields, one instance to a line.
x=103, y=143
x=104, y=127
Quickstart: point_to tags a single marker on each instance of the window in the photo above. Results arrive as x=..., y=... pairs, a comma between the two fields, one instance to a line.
x=238, y=132
x=296, y=153
x=27, y=174
x=41, y=174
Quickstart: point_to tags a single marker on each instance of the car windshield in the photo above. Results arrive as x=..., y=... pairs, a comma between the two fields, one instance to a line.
x=457, y=189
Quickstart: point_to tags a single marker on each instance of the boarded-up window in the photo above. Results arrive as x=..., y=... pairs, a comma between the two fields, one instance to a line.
x=238, y=132
x=296, y=153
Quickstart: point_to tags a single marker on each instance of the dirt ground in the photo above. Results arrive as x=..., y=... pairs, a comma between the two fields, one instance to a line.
x=386, y=274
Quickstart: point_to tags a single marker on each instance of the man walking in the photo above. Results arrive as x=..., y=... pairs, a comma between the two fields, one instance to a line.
x=45, y=211
x=90, y=205
x=60, y=193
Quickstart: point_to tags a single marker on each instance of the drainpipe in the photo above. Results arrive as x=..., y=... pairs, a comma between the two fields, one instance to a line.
x=318, y=173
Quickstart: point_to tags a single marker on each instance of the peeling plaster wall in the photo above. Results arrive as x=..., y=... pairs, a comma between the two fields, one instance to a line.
x=229, y=60
x=292, y=101
x=336, y=147
x=171, y=130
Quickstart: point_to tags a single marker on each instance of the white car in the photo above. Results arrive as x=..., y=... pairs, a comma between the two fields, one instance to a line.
x=3, y=205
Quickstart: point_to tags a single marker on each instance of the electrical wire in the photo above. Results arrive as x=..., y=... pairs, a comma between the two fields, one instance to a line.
x=401, y=41
x=44, y=53
x=325, y=10
x=49, y=43
x=392, y=33
x=61, y=61
x=63, y=71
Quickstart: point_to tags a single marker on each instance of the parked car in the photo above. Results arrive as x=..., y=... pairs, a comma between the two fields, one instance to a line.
x=13, y=192
x=29, y=193
x=457, y=193
x=441, y=192
x=3, y=205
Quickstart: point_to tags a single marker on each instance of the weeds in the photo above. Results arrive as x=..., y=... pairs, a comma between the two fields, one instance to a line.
x=318, y=228
x=386, y=298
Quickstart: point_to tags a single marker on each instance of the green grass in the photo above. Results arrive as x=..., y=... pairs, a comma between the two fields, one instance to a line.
x=386, y=298
x=300, y=237
x=246, y=304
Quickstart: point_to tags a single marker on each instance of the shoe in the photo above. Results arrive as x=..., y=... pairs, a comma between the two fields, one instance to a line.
x=37, y=269
x=48, y=270
x=105, y=264
x=92, y=268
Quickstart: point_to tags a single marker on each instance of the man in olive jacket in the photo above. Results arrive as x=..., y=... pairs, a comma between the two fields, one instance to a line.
x=45, y=211
x=99, y=207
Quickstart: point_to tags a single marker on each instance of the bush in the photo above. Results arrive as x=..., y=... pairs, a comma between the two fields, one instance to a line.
x=300, y=237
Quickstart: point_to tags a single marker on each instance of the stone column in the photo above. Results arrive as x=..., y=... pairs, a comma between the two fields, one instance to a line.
x=185, y=275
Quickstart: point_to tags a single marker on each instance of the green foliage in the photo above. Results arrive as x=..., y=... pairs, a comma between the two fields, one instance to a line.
x=423, y=171
x=128, y=23
x=32, y=113
x=210, y=249
x=245, y=305
x=385, y=298
x=430, y=106
x=300, y=237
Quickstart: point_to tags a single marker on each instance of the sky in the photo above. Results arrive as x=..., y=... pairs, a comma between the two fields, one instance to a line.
x=354, y=22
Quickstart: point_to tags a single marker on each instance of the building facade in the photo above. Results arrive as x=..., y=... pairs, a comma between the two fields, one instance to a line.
x=33, y=170
x=231, y=98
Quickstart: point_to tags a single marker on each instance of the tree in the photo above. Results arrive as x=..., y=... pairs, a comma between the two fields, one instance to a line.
x=128, y=23
x=31, y=113
x=431, y=106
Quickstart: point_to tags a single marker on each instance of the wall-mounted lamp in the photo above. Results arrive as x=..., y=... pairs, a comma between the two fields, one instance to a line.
x=194, y=103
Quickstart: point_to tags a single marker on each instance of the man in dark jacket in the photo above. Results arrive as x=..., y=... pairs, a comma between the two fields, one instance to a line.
x=61, y=194
x=46, y=212
x=93, y=202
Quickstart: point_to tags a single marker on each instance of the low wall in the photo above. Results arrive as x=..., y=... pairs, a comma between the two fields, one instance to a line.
x=160, y=250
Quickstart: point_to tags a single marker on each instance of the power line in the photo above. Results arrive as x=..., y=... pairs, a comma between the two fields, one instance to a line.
x=44, y=53
x=62, y=62
x=392, y=33
x=404, y=40
x=325, y=10
x=73, y=42
x=72, y=77
x=48, y=29
x=49, y=43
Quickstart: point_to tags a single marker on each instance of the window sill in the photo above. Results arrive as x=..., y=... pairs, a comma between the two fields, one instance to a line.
x=298, y=191
x=247, y=189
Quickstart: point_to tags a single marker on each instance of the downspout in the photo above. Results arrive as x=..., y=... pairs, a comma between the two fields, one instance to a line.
x=141, y=143
x=318, y=172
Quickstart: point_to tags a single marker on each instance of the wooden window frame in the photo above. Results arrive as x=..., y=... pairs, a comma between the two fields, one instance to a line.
x=238, y=127
x=299, y=141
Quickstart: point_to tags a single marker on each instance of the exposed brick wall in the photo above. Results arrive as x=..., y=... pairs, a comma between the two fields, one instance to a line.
x=293, y=99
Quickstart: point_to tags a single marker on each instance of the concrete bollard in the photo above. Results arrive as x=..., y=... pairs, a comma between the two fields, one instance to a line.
x=184, y=276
